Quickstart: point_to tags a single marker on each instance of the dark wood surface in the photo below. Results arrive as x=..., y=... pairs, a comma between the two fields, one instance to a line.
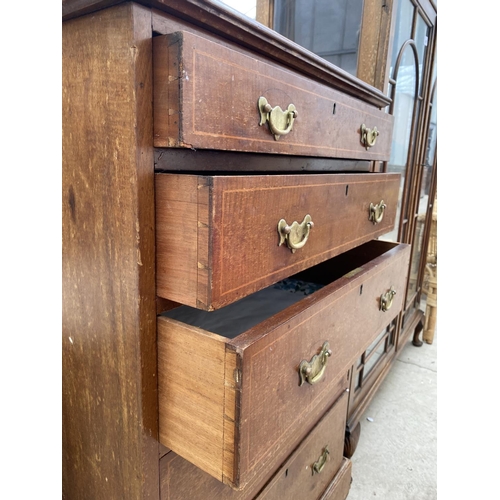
x=226, y=247
x=206, y=95
x=109, y=390
x=185, y=160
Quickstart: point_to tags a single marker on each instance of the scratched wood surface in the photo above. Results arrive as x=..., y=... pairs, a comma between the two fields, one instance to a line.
x=238, y=253
x=109, y=390
x=206, y=97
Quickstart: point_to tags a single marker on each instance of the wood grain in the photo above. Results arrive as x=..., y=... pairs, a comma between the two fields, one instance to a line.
x=218, y=89
x=109, y=388
x=260, y=413
x=177, y=269
x=339, y=488
x=375, y=43
x=237, y=239
x=272, y=351
x=295, y=478
x=180, y=479
x=191, y=375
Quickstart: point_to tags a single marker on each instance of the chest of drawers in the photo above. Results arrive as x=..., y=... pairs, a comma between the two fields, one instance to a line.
x=202, y=346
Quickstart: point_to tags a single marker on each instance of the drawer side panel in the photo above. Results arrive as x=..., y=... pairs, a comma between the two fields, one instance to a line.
x=177, y=214
x=191, y=373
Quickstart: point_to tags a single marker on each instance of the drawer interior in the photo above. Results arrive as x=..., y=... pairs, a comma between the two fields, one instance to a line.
x=242, y=315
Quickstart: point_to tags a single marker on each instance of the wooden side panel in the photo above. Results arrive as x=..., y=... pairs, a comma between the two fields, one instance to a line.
x=219, y=93
x=109, y=392
x=339, y=488
x=275, y=410
x=295, y=479
x=177, y=242
x=191, y=375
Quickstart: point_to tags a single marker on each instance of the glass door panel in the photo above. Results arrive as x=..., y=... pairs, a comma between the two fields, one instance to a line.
x=329, y=28
x=423, y=200
x=404, y=95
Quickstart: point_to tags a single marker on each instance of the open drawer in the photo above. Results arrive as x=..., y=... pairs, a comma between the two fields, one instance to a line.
x=222, y=237
x=241, y=386
x=210, y=96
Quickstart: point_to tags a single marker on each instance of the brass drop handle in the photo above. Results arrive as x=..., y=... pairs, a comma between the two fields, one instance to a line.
x=280, y=122
x=296, y=235
x=376, y=212
x=386, y=299
x=319, y=465
x=312, y=371
x=368, y=136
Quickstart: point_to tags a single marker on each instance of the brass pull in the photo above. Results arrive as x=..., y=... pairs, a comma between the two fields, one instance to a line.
x=295, y=236
x=386, y=299
x=319, y=465
x=312, y=371
x=368, y=136
x=376, y=212
x=280, y=122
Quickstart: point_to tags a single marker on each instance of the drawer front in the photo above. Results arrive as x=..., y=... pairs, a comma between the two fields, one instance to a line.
x=179, y=479
x=218, y=238
x=206, y=96
x=316, y=462
x=339, y=488
x=235, y=407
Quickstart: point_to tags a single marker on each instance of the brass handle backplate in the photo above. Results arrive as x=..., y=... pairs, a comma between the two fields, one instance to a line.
x=368, y=136
x=280, y=122
x=376, y=212
x=312, y=371
x=386, y=299
x=319, y=465
x=296, y=235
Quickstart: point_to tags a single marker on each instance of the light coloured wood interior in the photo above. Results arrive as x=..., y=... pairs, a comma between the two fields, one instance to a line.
x=191, y=377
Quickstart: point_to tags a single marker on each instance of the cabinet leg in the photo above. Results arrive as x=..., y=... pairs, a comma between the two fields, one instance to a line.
x=351, y=440
x=416, y=335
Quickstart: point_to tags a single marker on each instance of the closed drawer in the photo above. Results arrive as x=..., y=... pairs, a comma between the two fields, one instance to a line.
x=207, y=96
x=316, y=461
x=217, y=237
x=235, y=392
x=180, y=480
x=339, y=488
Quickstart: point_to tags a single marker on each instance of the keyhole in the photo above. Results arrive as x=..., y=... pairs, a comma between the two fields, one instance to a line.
x=361, y=290
x=346, y=189
x=286, y=473
x=334, y=107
